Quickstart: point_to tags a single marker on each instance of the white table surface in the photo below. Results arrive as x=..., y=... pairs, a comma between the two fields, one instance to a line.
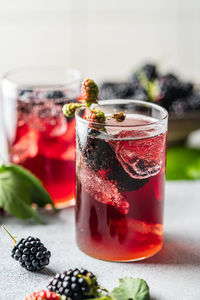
x=172, y=274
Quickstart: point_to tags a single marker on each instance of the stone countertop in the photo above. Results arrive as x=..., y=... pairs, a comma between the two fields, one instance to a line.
x=172, y=274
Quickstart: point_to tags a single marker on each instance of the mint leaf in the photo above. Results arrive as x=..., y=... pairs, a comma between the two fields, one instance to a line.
x=37, y=191
x=183, y=163
x=131, y=289
x=15, y=196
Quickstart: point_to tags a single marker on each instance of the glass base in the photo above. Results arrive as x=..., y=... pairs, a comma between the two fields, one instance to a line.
x=132, y=258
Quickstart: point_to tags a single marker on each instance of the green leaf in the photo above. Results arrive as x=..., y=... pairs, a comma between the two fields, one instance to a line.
x=15, y=196
x=37, y=191
x=131, y=289
x=183, y=163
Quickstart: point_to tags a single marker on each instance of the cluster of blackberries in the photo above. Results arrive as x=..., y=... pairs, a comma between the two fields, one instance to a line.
x=74, y=284
x=175, y=95
x=31, y=254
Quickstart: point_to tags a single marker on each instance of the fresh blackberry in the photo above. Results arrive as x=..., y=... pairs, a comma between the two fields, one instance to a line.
x=170, y=76
x=111, y=90
x=171, y=89
x=30, y=252
x=98, y=155
x=96, y=152
x=107, y=91
x=75, y=284
x=55, y=95
x=150, y=71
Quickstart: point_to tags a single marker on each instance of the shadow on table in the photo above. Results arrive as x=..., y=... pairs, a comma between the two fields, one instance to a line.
x=177, y=251
x=47, y=216
x=49, y=272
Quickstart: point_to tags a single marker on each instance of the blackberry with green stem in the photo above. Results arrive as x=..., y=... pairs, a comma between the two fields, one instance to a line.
x=30, y=253
x=89, y=95
x=75, y=284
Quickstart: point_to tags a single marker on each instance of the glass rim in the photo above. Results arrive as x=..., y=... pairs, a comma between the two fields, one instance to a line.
x=126, y=101
x=15, y=71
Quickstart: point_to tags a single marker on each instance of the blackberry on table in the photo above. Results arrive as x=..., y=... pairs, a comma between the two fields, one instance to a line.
x=75, y=284
x=31, y=254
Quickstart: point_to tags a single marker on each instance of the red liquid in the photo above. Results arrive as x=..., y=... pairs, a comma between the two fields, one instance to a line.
x=122, y=224
x=46, y=146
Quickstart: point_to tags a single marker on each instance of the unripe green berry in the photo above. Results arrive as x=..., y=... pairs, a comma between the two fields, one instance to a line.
x=70, y=109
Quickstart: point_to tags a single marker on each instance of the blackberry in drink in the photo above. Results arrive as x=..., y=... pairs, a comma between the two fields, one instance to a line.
x=120, y=177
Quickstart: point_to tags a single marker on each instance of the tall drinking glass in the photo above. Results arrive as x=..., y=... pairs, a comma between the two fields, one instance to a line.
x=120, y=177
x=39, y=136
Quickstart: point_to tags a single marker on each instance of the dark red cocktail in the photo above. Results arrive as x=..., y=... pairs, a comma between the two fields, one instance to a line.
x=120, y=183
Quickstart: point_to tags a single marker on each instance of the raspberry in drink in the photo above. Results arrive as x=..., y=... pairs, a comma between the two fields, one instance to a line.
x=120, y=176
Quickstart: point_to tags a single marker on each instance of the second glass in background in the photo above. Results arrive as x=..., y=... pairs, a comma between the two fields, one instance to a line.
x=39, y=136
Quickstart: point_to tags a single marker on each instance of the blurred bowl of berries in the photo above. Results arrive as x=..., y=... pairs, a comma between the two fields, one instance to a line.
x=180, y=98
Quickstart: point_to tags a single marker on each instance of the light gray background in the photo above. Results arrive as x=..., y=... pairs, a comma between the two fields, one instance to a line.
x=106, y=38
